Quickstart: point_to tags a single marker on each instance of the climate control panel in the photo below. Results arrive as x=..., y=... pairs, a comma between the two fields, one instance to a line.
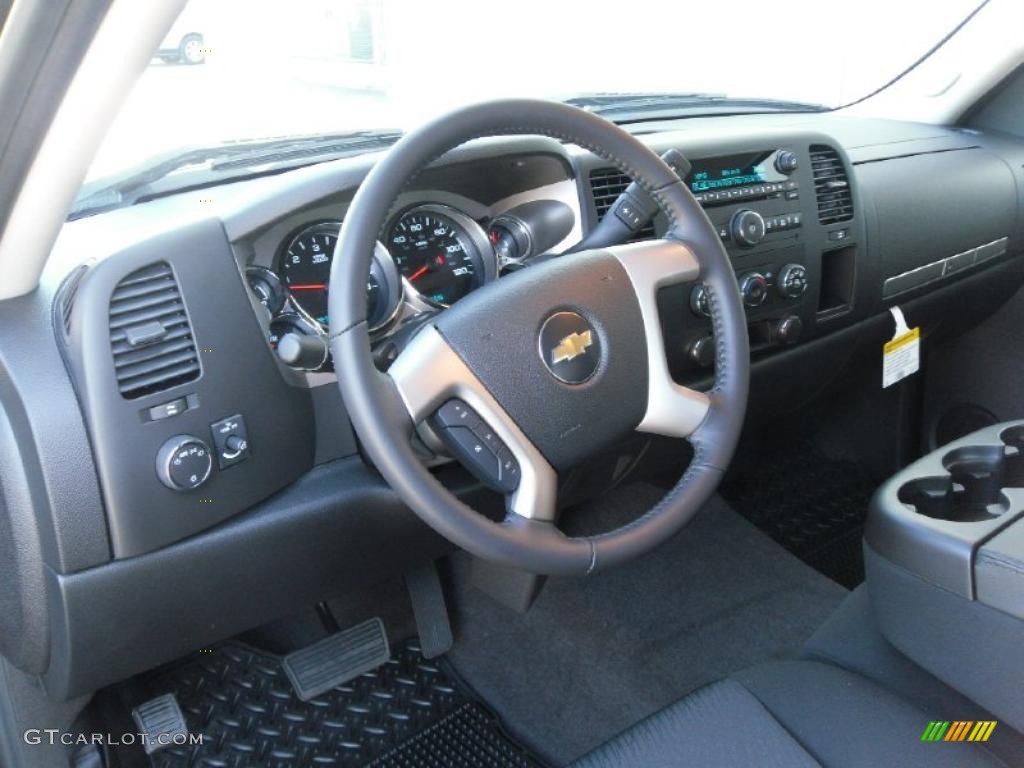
x=772, y=297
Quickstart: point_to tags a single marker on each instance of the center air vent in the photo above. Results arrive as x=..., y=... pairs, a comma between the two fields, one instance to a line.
x=606, y=184
x=831, y=185
x=150, y=335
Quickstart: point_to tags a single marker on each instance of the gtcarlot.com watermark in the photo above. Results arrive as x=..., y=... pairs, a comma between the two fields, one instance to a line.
x=54, y=736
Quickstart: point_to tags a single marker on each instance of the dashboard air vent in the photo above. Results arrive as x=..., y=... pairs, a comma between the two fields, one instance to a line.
x=150, y=335
x=831, y=185
x=606, y=184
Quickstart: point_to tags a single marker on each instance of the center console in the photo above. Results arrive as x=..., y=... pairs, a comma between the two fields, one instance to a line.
x=944, y=553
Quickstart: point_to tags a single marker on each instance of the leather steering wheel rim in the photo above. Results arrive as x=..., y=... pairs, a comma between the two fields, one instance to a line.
x=381, y=406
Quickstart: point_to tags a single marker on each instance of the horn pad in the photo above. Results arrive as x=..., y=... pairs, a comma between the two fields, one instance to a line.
x=561, y=346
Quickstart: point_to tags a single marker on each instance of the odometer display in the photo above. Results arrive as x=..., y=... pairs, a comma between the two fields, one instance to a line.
x=435, y=254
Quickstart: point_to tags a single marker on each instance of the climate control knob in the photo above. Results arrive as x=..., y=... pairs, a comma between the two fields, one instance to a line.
x=754, y=289
x=699, y=301
x=184, y=463
x=747, y=227
x=787, y=330
x=792, y=281
x=702, y=352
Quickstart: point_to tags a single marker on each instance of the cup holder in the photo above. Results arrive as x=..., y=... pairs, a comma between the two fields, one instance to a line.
x=1013, y=457
x=971, y=492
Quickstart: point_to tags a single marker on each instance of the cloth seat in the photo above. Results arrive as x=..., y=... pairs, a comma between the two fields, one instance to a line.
x=788, y=713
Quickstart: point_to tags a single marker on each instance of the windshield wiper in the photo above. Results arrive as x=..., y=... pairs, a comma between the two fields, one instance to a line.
x=627, y=107
x=202, y=166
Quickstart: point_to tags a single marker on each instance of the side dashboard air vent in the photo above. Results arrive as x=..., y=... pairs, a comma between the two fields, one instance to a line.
x=606, y=184
x=150, y=335
x=831, y=185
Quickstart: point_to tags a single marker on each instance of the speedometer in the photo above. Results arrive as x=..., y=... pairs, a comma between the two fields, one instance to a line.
x=441, y=252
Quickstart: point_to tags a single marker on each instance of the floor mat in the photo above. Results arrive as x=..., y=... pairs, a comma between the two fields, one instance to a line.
x=813, y=506
x=595, y=655
x=408, y=713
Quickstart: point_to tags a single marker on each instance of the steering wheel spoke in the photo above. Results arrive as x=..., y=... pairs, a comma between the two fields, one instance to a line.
x=440, y=392
x=672, y=409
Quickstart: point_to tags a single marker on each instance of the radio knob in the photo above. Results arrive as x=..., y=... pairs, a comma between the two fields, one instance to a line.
x=786, y=162
x=699, y=301
x=747, y=227
x=183, y=463
x=754, y=288
x=792, y=281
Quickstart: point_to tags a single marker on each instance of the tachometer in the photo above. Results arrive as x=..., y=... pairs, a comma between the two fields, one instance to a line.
x=443, y=253
x=305, y=270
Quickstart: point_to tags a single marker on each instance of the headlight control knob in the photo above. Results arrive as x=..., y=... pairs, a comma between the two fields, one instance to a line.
x=184, y=463
x=747, y=227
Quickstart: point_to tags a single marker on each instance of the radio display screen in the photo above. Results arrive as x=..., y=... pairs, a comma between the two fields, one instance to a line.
x=733, y=171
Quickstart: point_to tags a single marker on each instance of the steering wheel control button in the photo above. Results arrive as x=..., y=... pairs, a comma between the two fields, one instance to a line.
x=184, y=463
x=455, y=413
x=569, y=347
x=476, y=446
x=230, y=440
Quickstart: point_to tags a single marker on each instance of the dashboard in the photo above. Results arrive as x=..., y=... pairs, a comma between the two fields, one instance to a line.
x=208, y=443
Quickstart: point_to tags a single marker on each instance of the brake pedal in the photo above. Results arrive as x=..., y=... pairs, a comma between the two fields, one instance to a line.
x=337, y=659
x=161, y=722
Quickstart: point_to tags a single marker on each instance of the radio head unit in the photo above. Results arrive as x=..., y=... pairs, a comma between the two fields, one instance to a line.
x=728, y=177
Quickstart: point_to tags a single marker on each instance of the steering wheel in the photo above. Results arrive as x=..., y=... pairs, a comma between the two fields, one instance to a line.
x=551, y=363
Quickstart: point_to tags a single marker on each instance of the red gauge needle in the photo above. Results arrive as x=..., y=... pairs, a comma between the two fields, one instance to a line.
x=418, y=274
x=309, y=287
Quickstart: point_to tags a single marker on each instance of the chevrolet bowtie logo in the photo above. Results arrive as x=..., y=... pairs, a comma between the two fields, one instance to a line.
x=573, y=345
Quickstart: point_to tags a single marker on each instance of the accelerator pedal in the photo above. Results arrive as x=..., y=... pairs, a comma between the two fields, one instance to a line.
x=161, y=722
x=430, y=611
x=337, y=659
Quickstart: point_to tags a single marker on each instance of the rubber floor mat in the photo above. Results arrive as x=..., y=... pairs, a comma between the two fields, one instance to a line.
x=813, y=506
x=406, y=713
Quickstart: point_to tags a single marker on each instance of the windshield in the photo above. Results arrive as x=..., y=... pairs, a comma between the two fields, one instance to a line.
x=238, y=71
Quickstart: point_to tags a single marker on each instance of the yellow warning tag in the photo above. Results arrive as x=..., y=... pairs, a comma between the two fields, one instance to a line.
x=901, y=356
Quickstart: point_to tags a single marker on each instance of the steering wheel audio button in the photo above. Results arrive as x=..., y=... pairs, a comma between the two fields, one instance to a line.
x=470, y=440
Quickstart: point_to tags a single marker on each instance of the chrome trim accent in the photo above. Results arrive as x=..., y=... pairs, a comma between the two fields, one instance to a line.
x=936, y=270
x=672, y=409
x=429, y=372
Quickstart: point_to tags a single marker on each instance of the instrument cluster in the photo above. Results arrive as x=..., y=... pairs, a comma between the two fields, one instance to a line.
x=431, y=256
